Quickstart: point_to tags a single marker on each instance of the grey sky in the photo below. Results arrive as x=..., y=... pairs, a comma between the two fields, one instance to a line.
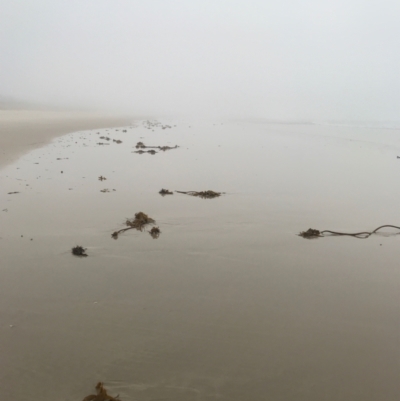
x=298, y=59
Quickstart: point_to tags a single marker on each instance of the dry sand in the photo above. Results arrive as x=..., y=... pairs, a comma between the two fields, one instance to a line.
x=228, y=303
x=21, y=130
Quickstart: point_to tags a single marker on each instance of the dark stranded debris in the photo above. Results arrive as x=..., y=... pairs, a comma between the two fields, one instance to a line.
x=11, y=193
x=310, y=233
x=164, y=192
x=79, y=251
x=139, y=222
x=202, y=194
x=155, y=232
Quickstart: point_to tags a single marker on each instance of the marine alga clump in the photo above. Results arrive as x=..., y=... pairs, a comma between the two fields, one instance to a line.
x=202, y=194
x=138, y=222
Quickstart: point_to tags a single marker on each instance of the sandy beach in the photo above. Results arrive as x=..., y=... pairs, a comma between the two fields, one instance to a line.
x=228, y=303
x=21, y=130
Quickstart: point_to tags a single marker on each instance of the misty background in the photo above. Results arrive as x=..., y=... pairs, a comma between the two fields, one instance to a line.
x=289, y=59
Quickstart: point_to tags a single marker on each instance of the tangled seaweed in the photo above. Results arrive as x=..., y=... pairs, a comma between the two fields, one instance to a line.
x=141, y=145
x=152, y=151
x=101, y=394
x=79, y=251
x=155, y=232
x=138, y=223
x=202, y=194
x=164, y=192
x=312, y=233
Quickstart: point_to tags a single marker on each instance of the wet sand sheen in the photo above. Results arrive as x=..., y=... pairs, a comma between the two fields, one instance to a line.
x=21, y=130
x=228, y=303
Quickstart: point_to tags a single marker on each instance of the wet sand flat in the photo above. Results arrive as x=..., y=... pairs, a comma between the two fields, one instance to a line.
x=228, y=303
x=21, y=130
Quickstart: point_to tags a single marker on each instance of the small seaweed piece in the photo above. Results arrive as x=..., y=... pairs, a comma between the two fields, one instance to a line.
x=164, y=192
x=79, y=251
x=202, y=194
x=104, y=190
x=310, y=233
x=117, y=141
x=140, y=145
x=12, y=193
x=101, y=394
x=155, y=232
x=101, y=178
x=164, y=148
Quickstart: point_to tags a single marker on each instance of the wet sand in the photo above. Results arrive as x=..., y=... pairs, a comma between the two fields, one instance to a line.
x=228, y=303
x=21, y=130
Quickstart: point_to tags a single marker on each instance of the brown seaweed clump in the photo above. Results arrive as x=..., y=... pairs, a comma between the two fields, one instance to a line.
x=164, y=192
x=140, y=151
x=202, y=194
x=155, y=232
x=101, y=394
x=141, y=146
x=139, y=222
x=164, y=148
x=310, y=233
x=79, y=251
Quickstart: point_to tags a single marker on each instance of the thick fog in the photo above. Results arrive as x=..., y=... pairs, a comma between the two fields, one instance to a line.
x=289, y=59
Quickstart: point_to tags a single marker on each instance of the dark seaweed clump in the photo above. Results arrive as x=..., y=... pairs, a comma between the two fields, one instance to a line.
x=155, y=232
x=310, y=233
x=79, y=251
x=202, y=194
x=139, y=222
x=164, y=192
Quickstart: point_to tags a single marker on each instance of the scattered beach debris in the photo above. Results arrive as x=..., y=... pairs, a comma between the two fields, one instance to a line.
x=124, y=130
x=12, y=193
x=155, y=124
x=313, y=233
x=155, y=232
x=101, y=394
x=102, y=143
x=152, y=151
x=105, y=190
x=106, y=138
x=138, y=223
x=202, y=194
x=117, y=141
x=164, y=192
x=141, y=145
x=101, y=178
x=79, y=251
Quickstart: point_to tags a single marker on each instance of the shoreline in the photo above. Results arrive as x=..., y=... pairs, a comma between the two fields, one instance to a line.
x=24, y=130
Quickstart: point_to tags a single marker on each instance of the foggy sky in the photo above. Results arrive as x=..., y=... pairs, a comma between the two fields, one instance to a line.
x=288, y=59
